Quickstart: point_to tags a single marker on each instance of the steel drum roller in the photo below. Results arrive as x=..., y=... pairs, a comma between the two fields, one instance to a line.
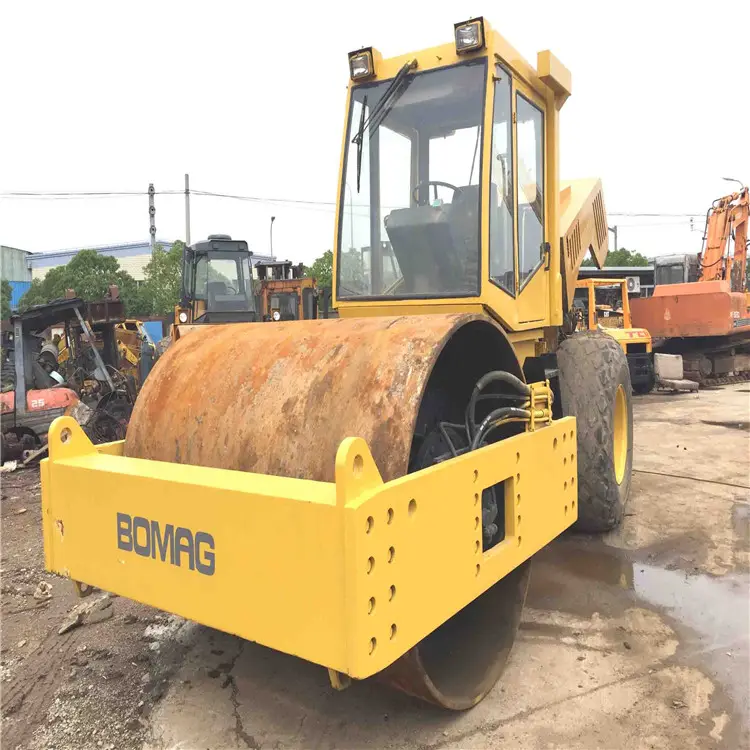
x=279, y=398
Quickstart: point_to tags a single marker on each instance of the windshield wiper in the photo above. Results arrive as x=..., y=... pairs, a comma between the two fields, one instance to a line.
x=358, y=139
x=380, y=111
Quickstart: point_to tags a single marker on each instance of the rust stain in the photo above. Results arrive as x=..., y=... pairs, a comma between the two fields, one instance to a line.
x=279, y=399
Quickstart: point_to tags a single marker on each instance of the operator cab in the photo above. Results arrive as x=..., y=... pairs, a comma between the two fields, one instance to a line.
x=676, y=269
x=419, y=169
x=217, y=282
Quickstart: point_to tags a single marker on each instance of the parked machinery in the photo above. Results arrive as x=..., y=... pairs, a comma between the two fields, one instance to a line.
x=700, y=308
x=73, y=372
x=217, y=283
x=138, y=351
x=285, y=292
x=367, y=493
x=610, y=312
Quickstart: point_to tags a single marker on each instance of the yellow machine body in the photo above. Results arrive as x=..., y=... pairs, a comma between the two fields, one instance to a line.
x=374, y=566
x=617, y=324
x=575, y=222
x=277, y=481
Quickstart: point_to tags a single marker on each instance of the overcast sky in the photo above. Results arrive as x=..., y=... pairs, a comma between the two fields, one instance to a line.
x=249, y=99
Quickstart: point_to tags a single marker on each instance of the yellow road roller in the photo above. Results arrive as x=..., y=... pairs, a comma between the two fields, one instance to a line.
x=367, y=492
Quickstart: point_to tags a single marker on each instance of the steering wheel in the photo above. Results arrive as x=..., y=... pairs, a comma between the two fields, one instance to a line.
x=436, y=184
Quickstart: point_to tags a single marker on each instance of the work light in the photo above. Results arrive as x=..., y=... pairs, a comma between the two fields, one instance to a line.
x=361, y=64
x=469, y=35
x=183, y=317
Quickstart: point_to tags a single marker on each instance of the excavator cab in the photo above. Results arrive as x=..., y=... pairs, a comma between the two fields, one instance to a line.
x=217, y=282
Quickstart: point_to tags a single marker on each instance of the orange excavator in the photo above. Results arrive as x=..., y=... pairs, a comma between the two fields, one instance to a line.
x=706, y=320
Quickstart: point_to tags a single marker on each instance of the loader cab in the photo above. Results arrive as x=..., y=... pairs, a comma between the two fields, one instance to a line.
x=448, y=181
x=217, y=282
x=286, y=292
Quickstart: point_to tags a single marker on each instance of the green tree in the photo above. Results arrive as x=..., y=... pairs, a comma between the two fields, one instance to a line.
x=621, y=257
x=322, y=269
x=352, y=275
x=89, y=274
x=6, y=292
x=161, y=289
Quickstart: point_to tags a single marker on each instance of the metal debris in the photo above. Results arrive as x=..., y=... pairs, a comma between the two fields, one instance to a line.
x=88, y=613
x=43, y=591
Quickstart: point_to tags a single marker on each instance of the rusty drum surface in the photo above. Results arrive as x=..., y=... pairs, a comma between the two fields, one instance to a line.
x=279, y=398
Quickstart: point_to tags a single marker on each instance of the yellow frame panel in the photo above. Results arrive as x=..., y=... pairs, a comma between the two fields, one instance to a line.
x=292, y=555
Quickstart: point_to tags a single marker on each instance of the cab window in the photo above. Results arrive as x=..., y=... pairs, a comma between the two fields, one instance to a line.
x=530, y=179
x=502, y=265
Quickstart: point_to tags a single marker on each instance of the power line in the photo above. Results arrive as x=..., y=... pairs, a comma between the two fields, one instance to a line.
x=655, y=215
x=64, y=195
x=81, y=194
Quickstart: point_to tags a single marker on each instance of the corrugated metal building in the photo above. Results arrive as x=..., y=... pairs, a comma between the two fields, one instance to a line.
x=132, y=257
x=19, y=288
x=15, y=264
x=20, y=267
x=15, y=267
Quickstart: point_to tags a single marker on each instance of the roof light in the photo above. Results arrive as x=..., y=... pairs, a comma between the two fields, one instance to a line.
x=361, y=64
x=469, y=35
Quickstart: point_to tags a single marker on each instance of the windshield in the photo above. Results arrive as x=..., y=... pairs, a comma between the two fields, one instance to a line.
x=224, y=281
x=412, y=228
x=671, y=274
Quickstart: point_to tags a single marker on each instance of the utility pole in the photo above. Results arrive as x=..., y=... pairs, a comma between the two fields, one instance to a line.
x=273, y=218
x=187, y=209
x=151, y=215
x=614, y=231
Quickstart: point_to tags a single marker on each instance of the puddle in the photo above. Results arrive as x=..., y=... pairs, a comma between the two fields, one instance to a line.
x=716, y=610
x=741, y=524
x=711, y=615
x=731, y=424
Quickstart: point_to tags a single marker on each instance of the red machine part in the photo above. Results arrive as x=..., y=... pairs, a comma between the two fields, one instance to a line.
x=40, y=400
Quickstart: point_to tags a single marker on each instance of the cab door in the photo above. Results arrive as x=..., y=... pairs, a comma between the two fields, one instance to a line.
x=532, y=267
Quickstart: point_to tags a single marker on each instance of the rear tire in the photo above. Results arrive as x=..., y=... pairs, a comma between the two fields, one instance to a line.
x=595, y=388
x=641, y=389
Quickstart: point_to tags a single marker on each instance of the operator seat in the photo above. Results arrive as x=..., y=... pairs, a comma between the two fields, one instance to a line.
x=423, y=245
x=464, y=221
x=437, y=247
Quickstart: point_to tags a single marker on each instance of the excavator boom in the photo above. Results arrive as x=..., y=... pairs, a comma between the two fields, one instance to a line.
x=727, y=219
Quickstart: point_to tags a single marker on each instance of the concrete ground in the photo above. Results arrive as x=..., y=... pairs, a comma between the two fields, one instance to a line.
x=638, y=639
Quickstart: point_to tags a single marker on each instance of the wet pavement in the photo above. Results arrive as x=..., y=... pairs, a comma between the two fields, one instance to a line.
x=638, y=639
x=710, y=615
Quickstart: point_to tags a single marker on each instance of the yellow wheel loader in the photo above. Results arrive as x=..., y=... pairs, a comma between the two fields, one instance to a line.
x=367, y=493
x=614, y=320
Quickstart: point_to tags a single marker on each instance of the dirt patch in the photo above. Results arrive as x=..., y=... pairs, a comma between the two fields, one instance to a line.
x=91, y=687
